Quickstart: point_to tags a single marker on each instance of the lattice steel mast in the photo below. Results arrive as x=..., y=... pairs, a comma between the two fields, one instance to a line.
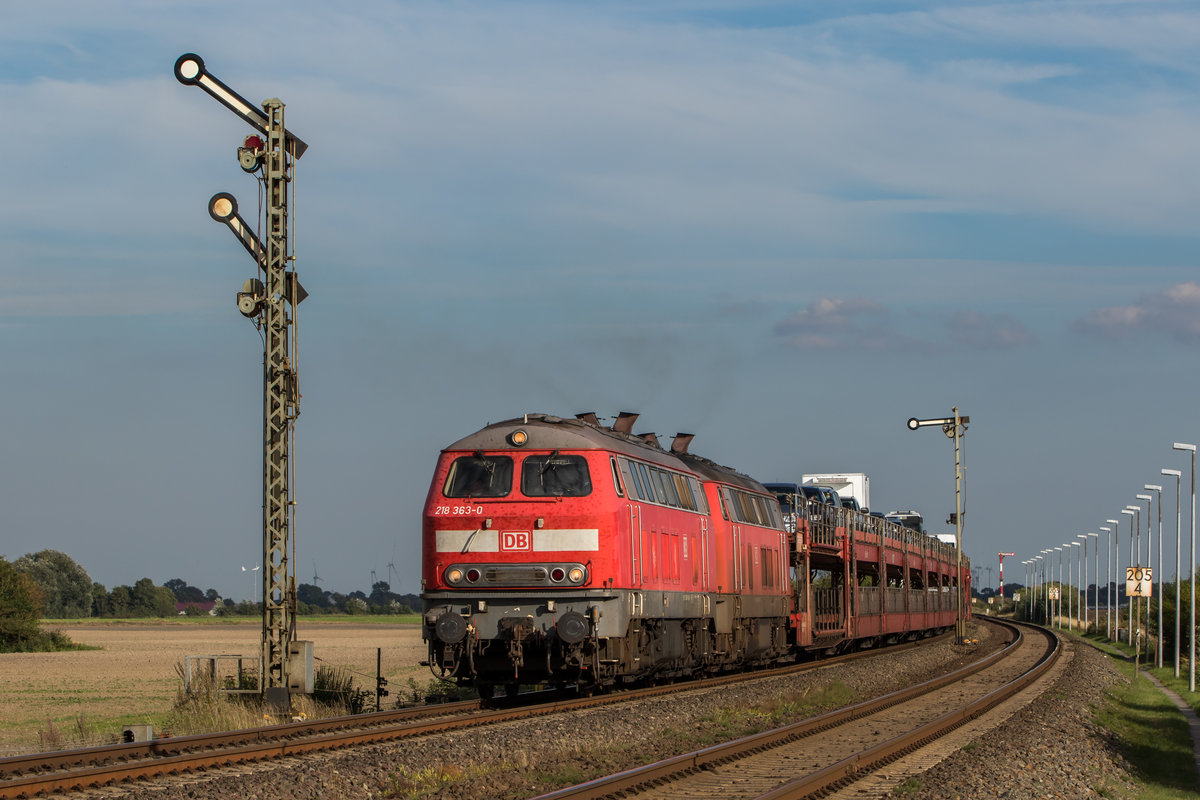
x=271, y=304
x=280, y=409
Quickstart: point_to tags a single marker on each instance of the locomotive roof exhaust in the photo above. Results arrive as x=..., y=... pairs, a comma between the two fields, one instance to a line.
x=589, y=417
x=624, y=422
x=679, y=444
x=650, y=438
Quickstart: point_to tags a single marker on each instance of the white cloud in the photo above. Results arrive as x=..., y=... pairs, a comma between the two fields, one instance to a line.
x=984, y=72
x=591, y=135
x=844, y=324
x=1174, y=311
x=863, y=324
x=981, y=331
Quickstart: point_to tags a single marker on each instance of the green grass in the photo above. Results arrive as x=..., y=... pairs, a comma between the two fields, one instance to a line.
x=46, y=641
x=1154, y=737
x=1153, y=734
x=727, y=724
x=1179, y=685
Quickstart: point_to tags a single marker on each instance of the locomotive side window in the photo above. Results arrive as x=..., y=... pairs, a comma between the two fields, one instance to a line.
x=649, y=495
x=745, y=504
x=753, y=509
x=666, y=488
x=735, y=507
x=698, y=494
x=555, y=476
x=479, y=476
x=776, y=516
x=660, y=494
x=662, y=486
x=761, y=514
x=616, y=477
x=633, y=478
x=684, y=491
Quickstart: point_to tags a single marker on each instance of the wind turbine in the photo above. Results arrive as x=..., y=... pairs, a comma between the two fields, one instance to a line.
x=316, y=577
x=392, y=569
x=253, y=583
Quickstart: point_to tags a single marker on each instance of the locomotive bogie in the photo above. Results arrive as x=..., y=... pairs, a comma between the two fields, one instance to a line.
x=601, y=638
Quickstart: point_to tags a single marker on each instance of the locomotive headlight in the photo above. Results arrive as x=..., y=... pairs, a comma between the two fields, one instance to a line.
x=454, y=575
x=518, y=438
x=575, y=575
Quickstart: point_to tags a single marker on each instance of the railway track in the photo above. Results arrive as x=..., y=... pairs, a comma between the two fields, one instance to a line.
x=72, y=770
x=832, y=751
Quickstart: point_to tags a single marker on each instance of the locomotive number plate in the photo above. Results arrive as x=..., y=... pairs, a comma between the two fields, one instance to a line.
x=456, y=510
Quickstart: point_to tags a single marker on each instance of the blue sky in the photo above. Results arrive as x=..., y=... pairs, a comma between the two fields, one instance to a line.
x=783, y=227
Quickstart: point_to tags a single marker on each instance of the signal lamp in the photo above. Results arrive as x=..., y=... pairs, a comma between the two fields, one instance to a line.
x=576, y=575
x=454, y=576
x=222, y=207
x=518, y=438
x=472, y=575
x=557, y=574
x=250, y=154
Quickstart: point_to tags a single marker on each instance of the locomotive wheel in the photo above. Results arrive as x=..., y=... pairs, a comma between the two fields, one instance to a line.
x=512, y=689
x=486, y=690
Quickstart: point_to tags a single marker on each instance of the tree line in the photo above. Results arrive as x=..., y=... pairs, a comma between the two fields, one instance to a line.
x=50, y=584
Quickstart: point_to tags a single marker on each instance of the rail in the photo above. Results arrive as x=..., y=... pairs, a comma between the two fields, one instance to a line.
x=40, y=773
x=660, y=774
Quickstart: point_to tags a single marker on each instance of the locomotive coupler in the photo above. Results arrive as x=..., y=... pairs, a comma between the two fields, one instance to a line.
x=517, y=630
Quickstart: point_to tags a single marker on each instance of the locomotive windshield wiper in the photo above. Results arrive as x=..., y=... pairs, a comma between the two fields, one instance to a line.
x=548, y=464
x=467, y=543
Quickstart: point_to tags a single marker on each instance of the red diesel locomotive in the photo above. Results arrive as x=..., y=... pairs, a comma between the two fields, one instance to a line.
x=562, y=551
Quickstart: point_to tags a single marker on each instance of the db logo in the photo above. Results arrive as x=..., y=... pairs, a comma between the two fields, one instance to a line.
x=514, y=540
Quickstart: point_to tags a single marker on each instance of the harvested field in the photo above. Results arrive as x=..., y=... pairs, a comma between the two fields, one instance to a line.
x=90, y=694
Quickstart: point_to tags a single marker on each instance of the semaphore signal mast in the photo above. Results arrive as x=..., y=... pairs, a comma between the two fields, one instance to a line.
x=1002, y=555
x=271, y=303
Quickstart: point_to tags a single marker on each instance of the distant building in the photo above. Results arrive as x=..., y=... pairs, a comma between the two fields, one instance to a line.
x=208, y=607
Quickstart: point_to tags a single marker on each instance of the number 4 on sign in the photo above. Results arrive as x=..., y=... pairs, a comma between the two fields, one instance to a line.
x=1139, y=581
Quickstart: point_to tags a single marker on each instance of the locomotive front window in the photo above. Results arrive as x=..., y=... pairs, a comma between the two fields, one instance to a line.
x=479, y=476
x=555, y=476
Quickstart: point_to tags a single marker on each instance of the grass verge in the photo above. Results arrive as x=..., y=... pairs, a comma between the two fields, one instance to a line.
x=1152, y=734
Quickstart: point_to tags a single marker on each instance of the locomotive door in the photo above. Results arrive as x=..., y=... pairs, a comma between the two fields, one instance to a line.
x=737, y=557
x=636, y=570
